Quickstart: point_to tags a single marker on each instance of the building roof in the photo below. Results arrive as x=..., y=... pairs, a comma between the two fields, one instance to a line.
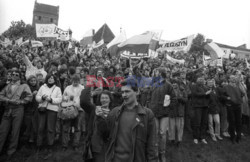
x=104, y=33
x=39, y=7
x=231, y=47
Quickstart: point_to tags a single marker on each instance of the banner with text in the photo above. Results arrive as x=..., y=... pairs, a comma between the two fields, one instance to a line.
x=217, y=62
x=128, y=54
x=61, y=34
x=45, y=30
x=175, y=61
x=183, y=44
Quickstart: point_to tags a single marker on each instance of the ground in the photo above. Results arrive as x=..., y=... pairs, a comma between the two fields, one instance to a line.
x=221, y=151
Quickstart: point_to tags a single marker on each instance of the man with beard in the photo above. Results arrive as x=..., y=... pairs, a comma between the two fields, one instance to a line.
x=131, y=129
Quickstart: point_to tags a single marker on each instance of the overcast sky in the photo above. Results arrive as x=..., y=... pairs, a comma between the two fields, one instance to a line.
x=224, y=21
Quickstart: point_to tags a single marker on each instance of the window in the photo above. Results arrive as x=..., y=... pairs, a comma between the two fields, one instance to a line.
x=39, y=18
x=51, y=20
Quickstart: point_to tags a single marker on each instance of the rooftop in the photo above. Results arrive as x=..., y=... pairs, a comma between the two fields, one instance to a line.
x=39, y=7
x=241, y=48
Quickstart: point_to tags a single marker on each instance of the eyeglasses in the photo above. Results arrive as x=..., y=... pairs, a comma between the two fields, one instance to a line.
x=15, y=75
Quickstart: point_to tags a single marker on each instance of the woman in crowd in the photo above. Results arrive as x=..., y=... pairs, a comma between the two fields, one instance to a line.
x=49, y=97
x=213, y=112
x=176, y=114
x=94, y=135
x=72, y=93
x=98, y=141
x=30, y=112
x=200, y=96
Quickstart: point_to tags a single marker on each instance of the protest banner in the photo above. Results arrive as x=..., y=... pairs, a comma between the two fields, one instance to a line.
x=61, y=34
x=183, y=44
x=174, y=61
x=45, y=30
x=128, y=54
x=208, y=61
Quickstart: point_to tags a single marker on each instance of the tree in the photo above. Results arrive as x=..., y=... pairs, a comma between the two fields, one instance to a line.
x=197, y=48
x=198, y=44
x=20, y=29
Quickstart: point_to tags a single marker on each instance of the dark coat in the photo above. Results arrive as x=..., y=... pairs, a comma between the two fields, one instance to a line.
x=199, y=97
x=235, y=95
x=158, y=92
x=179, y=109
x=214, y=103
x=144, y=134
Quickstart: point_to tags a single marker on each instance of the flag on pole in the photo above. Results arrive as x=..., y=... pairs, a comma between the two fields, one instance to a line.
x=117, y=40
x=214, y=50
x=247, y=64
x=112, y=47
x=70, y=45
x=136, y=46
x=154, y=43
x=19, y=41
x=87, y=38
x=98, y=45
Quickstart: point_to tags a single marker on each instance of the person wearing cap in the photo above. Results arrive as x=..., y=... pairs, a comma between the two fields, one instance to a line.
x=163, y=98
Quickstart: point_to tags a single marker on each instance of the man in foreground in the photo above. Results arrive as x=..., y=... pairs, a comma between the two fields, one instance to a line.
x=131, y=129
x=15, y=95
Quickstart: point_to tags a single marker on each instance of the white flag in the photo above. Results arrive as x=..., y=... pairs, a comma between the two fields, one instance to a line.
x=118, y=39
x=19, y=41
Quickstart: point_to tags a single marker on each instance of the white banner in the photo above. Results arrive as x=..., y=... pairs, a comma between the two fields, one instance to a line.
x=183, y=44
x=61, y=34
x=217, y=62
x=128, y=54
x=175, y=61
x=45, y=30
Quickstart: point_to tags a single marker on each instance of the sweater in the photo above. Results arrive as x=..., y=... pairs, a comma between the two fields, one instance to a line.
x=54, y=92
x=123, y=146
x=73, y=91
x=235, y=95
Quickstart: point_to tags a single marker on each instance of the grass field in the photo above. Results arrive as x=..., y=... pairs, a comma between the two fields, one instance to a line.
x=221, y=151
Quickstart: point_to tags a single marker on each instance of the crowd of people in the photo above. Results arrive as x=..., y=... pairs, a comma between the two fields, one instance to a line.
x=124, y=109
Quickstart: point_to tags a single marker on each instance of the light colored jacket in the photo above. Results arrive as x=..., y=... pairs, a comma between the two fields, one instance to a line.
x=54, y=92
x=32, y=70
x=73, y=91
